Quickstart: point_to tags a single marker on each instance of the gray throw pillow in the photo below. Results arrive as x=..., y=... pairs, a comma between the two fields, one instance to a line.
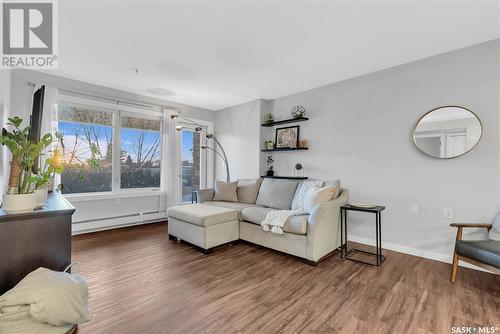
x=247, y=190
x=226, y=191
x=277, y=194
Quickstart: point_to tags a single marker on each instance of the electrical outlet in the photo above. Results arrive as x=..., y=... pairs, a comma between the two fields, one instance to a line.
x=117, y=201
x=414, y=209
x=448, y=213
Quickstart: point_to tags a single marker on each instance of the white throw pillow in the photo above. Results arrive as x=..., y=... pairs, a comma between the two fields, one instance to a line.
x=495, y=229
x=302, y=191
x=318, y=196
x=226, y=191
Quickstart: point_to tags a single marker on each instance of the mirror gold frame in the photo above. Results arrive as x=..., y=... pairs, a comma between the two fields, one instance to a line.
x=441, y=107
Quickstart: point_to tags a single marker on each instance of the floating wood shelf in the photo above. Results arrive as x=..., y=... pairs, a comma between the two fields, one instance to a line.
x=286, y=121
x=285, y=149
x=285, y=177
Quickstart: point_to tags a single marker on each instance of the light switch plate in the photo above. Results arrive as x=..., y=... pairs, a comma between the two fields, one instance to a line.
x=448, y=213
x=414, y=209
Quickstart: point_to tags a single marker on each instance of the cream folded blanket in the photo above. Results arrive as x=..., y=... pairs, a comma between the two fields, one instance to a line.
x=18, y=320
x=275, y=220
x=56, y=298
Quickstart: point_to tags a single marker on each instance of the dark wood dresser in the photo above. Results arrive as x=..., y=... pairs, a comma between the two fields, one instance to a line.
x=41, y=238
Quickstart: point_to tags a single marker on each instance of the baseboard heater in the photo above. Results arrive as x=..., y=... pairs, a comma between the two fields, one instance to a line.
x=94, y=225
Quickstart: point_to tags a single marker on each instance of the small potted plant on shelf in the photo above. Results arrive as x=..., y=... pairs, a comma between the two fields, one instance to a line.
x=20, y=196
x=270, y=167
x=298, y=112
x=269, y=118
x=269, y=144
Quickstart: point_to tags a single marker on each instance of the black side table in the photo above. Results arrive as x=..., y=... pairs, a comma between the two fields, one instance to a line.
x=344, y=252
x=194, y=197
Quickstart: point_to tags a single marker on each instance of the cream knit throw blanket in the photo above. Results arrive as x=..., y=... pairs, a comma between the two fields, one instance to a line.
x=53, y=297
x=276, y=219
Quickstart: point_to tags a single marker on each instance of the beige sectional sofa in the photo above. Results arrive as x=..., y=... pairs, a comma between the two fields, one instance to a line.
x=212, y=222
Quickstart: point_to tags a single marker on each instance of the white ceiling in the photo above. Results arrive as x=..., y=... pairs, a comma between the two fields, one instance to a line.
x=218, y=54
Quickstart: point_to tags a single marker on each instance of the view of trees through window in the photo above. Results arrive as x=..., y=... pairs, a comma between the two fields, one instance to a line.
x=87, y=152
x=140, y=152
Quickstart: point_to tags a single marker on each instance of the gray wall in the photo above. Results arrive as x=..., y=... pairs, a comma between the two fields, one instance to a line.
x=360, y=131
x=237, y=128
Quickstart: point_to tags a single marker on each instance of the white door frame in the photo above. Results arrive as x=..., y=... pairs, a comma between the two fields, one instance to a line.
x=435, y=134
x=206, y=156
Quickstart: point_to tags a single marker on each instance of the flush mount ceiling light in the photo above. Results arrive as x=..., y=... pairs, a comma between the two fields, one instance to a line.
x=161, y=91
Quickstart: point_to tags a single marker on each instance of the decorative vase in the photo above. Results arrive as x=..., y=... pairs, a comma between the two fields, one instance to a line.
x=19, y=203
x=50, y=184
x=270, y=173
x=41, y=197
x=270, y=145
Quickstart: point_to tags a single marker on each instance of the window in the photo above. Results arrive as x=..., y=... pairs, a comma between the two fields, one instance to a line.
x=108, y=150
x=191, y=163
x=140, y=153
x=87, y=149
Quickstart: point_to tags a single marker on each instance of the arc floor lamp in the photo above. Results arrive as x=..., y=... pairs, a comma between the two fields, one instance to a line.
x=200, y=129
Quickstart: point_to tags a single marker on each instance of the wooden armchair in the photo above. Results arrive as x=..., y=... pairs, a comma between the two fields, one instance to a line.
x=482, y=253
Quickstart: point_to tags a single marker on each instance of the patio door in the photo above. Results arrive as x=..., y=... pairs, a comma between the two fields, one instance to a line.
x=193, y=163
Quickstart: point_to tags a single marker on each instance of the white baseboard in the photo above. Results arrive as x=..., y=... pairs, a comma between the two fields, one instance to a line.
x=415, y=252
x=119, y=222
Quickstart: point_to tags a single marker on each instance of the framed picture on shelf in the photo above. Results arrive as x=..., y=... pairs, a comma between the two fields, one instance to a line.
x=287, y=137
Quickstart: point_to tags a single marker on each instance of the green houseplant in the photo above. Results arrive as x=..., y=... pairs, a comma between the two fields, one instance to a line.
x=41, y=179
x=20, y=196
x=269, y=144
x=270, y=167
x=269, y=118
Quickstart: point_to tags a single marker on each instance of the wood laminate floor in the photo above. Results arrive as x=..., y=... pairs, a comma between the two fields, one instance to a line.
x=142, y=283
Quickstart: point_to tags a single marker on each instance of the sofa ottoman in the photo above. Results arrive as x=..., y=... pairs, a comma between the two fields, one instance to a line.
x=205, y=226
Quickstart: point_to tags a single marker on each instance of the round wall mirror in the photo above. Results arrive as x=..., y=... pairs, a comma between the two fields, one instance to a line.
x=447, y=132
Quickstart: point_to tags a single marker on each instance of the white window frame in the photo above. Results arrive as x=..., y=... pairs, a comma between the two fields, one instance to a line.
x=118, y=110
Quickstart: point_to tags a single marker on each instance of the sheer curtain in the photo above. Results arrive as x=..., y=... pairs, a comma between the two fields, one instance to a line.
x=49, y=121
x=171, y=171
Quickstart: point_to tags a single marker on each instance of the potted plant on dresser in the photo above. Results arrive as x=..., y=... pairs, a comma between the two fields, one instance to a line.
x=41, y=179
x=20, y=196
